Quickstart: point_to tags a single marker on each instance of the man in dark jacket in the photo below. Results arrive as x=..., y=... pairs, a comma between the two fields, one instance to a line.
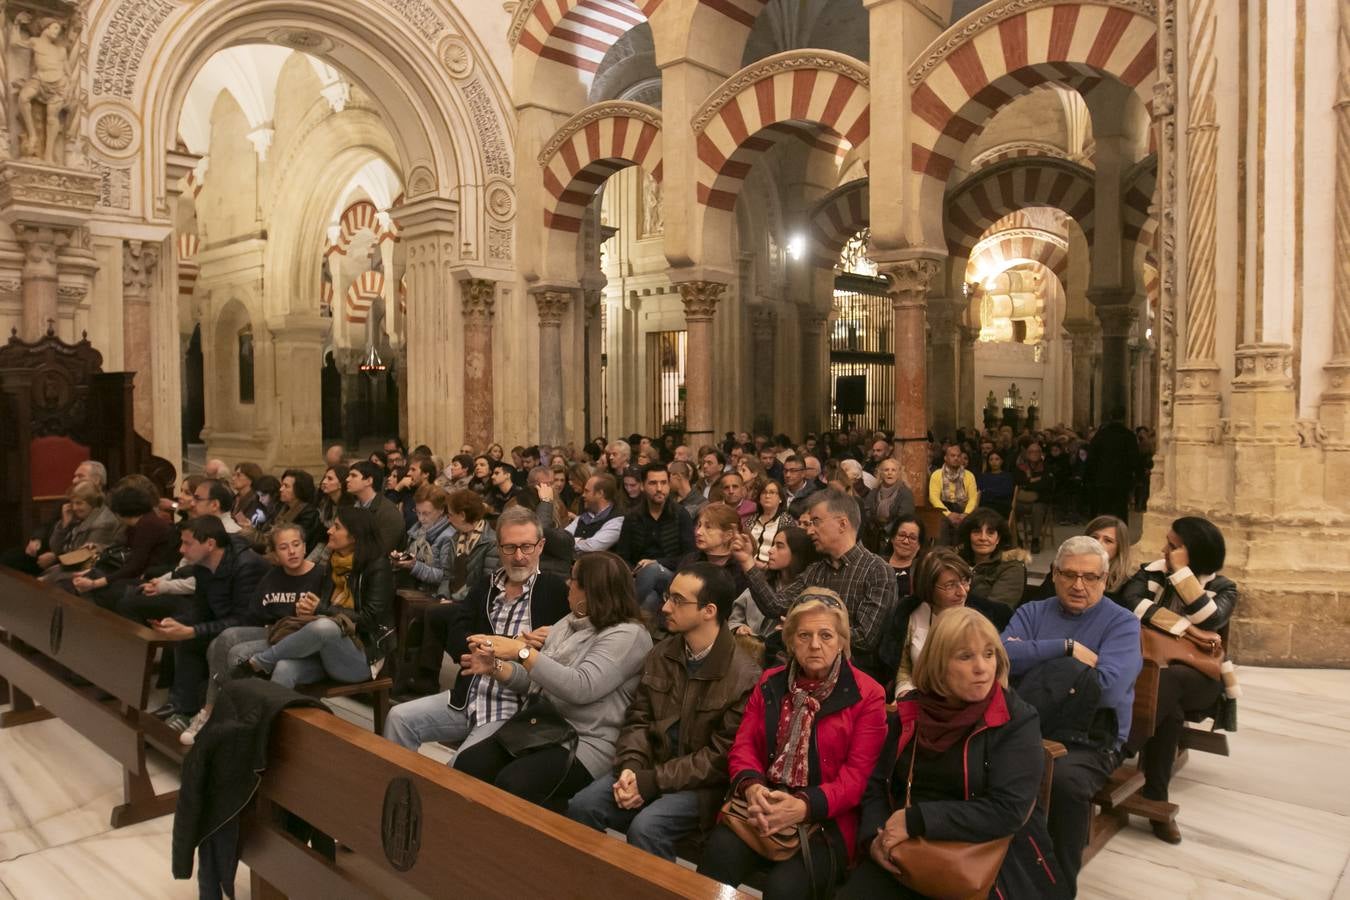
x=1113, y=455
x=798, y=486
x=227, y=573
x=655, y=537
x=363, y=482
x=670, y=768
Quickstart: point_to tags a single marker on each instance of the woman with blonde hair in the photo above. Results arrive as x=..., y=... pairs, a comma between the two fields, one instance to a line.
x=962, y=762
x=828, y=724
x=1114, y=535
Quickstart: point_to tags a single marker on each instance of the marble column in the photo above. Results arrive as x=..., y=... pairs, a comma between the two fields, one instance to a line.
x=41, y=244
x=478, y=296
x=1335, y=408
x=297, y=350
x=763, y=337
x=140, y=259
x=965, y=406
x=942, y=316
x=813, y=383
x=908, y=287
x=1083, y=346
x=1117, y=322
x=552, y=306
x=594, y=352
x=700, y=304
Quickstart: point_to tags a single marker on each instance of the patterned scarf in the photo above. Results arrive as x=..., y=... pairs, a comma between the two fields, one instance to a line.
x=467, y=540
x=954, y=488
x=792, y=763
x=341, y=566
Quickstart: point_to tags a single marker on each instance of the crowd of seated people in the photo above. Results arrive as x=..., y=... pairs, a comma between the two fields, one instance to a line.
x=755, y=657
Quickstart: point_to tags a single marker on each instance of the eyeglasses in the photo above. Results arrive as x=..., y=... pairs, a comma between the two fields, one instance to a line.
x=948, y=586
x=908, y=538
x=1089, y=579
x=677, y=600
x=513, y=549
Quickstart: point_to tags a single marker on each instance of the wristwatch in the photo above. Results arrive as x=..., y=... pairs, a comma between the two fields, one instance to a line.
x=523, y=653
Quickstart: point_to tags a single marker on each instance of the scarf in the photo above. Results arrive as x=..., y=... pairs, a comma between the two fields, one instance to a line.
x=467, y=540
x=341, y=566
x=792, y=763
x=886, y=497
x=954, y=488
x=943, y=722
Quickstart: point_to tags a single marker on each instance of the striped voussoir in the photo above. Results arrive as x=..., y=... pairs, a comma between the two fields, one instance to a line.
x=591, y=146
x=1139, y=188
x=993, y=192
x=577, y=33
x=788, y=96
x=187, y=246
x=1073, y=43
x=835, y=219
x=1020, y=245
x=361, y=295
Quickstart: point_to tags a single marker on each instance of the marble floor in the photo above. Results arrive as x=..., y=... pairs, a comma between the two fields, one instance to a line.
x=1272, y=820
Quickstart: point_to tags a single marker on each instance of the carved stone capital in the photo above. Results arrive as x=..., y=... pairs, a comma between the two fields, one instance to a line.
x=1117, y=319
x=479, y=296
x=139, y=261
x=908, y=280
x=41, y=245
x=552, y=305
x=1263, y=367
x=700, y=299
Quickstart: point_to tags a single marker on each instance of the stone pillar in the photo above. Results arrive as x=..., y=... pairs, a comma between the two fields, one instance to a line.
x=594, y=352
x=41, y=245
x=942, y=341
x=908, y=287
x=965, y=394
x=432, y=331
x=478, y=296
x=813, y=384
x=140, y=259
x=1117, y=322
x=1083, y=341
x=1335, y=410
x=1262, y=431
x=700, y=304
x=552, y=306
x=763, y=338
x=297, y=350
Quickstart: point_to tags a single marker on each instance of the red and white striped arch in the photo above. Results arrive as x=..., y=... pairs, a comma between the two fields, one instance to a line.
x=835, y=219
x=576, y=33
x=985, y=60
x=1020, y=245
x=187, y=246
x=819, y=97
x=591, y=146
x=362, y=294
x=360, y=216
x=993, y=192
x=1140, y=185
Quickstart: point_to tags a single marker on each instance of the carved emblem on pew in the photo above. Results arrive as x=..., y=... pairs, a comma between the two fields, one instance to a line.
x=401, y=824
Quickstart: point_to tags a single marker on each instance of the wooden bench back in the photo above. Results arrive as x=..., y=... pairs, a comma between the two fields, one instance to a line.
x=112, y=652
x=418, y=828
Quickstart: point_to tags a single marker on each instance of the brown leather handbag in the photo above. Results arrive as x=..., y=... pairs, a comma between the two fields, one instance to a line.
x=778, y=846
x=285, y=627
x=948, y=870
x=1201, y=650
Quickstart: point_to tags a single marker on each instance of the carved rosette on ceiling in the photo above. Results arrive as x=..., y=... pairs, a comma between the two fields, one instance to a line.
x=771, y=65
x=700, y=299
x=456, y=55
x=595, y=112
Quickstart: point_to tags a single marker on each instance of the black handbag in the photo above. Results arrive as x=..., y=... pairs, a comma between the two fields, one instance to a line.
x=535, y=726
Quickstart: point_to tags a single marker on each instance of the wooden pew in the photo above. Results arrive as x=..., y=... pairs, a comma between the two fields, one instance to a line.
x=411, y=827
x=49, y=634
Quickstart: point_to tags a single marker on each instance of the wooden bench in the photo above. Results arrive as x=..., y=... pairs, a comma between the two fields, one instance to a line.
x=410, y=827
x=378, y=689
x=48, y=636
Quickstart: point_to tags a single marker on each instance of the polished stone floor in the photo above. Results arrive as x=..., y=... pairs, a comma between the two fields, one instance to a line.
x=1272, y=820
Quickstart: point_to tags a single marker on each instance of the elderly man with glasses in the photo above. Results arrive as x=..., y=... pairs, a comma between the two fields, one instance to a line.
x=1065, y=651
x=516, y=601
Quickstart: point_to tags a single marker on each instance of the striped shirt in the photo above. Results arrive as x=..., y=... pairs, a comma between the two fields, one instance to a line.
x=489, y=700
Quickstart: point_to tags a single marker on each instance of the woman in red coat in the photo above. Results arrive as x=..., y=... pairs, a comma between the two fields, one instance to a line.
x=811, y=734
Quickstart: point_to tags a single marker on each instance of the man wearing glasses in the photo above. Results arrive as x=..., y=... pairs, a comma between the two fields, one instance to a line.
x=1051, y=642
x=799, y=486
x=517, y=601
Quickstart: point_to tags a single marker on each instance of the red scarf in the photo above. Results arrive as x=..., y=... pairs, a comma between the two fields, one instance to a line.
x=943, y=722
x=796, y=721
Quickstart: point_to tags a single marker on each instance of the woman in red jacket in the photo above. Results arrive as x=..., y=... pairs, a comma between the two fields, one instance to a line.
x=811, y=734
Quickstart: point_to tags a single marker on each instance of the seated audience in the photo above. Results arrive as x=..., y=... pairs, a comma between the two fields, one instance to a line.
x=587, y=669
x=769, y=518
x=942, y=582
x=428, y=560
x=790, y=554
x=89, y=524
x=952, y=490
x=601, y=521
x=996, y=484
x=905, y=540
x=1184, y=593
x=1114, y=536
x=715, y=529
x=503, y=487
x=809, y=739
x=857, y=575
x=332, y=494
x=883, y=507
x=654, y=538
x=151, y=548
x=292, y=587
x=670, y=767
x=630, y=479
x=226, y=573
x=682, y=487
x=1035, y=489
x=732, y=489
x=1065, y=650
x=515, y=600
x=798, y=486
x=40, y=553
x=247, y=510
x=363, y=483
x=962, y=719
x=296, y=506
x=1000, y=569
x=475, y=557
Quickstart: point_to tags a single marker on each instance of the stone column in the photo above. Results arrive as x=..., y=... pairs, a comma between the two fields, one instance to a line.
x=140, y=259
x=1083, y=345
x=297, y=351
x=700, y=304
x=432, y=332
x=1117, y=322
x=763, y=337
x=1262, y=432
x=1335, y=411
x=41, y=245
x=813, y=384
x=552, y=306
x=594, y=351
x=478, y=296
x=908, y=287
x=942, y=341
x=965, y=394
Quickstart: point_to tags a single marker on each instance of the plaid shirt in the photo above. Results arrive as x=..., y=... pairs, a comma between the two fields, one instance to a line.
x=861, y=578
x=489, y=700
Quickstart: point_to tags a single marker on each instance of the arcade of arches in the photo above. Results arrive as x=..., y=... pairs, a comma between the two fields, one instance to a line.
x=546, y=220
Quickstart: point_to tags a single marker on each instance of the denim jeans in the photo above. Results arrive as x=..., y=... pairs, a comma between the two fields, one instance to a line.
x=230, y=648
x=655, y=827
x=428, y=719
x=651, y=584
x=319, y=649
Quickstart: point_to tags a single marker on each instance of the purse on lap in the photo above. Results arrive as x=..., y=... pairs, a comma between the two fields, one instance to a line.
x=535, y=726
x=1202, y=652
x=778, y=846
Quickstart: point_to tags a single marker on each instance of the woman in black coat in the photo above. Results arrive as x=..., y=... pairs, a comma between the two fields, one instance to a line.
x=354, y=628
x=962, y=762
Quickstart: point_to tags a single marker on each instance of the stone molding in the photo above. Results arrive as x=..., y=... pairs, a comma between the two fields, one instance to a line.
x=553, y=306
x=46, y=193
x=606, y=109
x=1263, y=366
x=479, y=297
x=787, y=61
x=1039, y=234
x=700, y=299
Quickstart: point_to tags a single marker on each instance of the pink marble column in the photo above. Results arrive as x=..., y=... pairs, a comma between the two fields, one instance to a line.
x=478, y=296
x=909, y=280
x=700, y=303
x=140, y=260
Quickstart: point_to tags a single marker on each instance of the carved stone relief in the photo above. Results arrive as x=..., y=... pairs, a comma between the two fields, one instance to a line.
x=124, y=44
x=48, y=95
x=496, y=154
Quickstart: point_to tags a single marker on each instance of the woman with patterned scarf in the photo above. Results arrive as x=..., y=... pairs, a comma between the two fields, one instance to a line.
x=811, y=733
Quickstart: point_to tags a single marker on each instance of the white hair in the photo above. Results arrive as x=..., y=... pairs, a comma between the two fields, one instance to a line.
x=1082, y=545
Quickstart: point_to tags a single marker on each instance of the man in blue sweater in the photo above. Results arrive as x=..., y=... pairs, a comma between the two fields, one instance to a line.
x=1075, y=623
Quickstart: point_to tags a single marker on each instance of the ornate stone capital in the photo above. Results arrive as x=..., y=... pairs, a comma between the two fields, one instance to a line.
x=41, y=244
x=700, y=299
x=1117, y=319
x=139, y=261
x=909, y=280
x=552, y=306
x=479, y=296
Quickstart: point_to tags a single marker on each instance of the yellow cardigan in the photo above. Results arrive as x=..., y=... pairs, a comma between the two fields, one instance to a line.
x=935, y=491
